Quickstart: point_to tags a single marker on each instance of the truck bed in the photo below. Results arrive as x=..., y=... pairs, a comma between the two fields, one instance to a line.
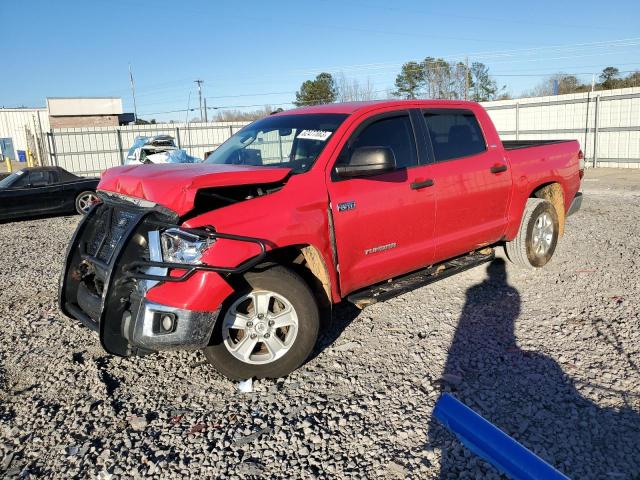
x=515, y=144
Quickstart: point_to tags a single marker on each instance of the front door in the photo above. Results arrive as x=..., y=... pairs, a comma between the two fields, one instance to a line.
x=33, y=194
x=383, y=224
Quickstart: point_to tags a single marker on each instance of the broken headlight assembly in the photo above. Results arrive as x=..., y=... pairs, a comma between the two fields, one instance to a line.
x=182, y=246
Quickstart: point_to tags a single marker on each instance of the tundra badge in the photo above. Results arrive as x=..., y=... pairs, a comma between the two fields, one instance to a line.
x=344, y=206
x=381, y=248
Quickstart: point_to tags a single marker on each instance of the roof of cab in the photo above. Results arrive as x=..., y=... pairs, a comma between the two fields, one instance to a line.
x=352, y=107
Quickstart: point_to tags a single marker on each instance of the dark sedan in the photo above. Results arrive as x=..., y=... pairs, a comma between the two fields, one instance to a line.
x=44, y=191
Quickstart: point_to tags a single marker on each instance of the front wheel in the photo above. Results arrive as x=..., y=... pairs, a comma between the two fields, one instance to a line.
x=267, y=328
x=85, y=201
x=537, y=237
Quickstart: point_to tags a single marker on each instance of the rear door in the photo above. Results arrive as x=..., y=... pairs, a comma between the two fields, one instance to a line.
x=383, y=224
x=472, y=183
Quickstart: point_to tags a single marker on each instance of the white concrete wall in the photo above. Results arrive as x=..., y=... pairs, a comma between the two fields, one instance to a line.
x=565, y=117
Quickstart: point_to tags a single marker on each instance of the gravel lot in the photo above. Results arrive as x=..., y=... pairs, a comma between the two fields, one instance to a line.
x=549, y=356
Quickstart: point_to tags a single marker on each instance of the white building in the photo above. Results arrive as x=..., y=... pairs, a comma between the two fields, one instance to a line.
x=22, y=129
x=19, y=129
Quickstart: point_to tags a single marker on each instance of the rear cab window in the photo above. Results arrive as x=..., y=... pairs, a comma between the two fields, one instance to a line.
x=454, y=133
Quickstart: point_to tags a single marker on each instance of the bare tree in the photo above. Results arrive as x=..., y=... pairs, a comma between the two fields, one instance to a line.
x=243, y=116
x=459, y=81
x=440, y=78
x=566, y=84
x=351, y=90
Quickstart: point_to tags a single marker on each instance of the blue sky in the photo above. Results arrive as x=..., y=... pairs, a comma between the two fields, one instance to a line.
x=256, y=53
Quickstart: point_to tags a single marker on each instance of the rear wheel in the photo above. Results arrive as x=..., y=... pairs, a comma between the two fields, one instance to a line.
x=266, y=329
x=85, y=201
x=537, y=238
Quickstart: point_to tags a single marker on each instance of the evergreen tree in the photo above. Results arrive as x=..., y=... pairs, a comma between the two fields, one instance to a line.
x=410, y=81
x=314, y=92
x=483, y=88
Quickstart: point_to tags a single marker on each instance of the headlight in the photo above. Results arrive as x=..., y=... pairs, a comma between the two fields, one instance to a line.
x=180, y=246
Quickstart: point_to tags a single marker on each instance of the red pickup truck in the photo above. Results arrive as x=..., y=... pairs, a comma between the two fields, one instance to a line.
x=299, y=211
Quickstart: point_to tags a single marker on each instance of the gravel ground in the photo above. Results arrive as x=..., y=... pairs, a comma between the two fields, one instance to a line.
x=550, y=356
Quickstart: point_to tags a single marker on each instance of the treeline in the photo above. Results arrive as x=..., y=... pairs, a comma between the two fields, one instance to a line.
x=562, y=83
x=439, y=79
x=430, y=78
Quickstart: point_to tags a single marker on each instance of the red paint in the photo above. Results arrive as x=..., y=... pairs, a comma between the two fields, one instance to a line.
x=467, y=207
x=175, y=185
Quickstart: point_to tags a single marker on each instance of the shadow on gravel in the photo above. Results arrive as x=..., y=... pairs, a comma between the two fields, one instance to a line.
x=6, y=412
x=111, y=382
x=333, y=324
x=527, y=394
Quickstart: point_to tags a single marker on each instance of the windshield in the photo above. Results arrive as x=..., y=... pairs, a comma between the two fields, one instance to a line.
x=292, y=141
x=7, y=182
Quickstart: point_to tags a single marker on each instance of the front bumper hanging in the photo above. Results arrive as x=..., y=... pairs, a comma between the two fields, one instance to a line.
x=113, y=260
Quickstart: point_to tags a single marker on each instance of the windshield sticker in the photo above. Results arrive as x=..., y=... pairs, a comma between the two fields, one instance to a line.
x=321, y=135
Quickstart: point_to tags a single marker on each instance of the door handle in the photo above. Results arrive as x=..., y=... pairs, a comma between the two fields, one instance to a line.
x=421, y=184
x=499, y=168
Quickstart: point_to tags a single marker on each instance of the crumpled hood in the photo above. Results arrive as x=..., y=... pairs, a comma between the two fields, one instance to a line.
x=174, y=186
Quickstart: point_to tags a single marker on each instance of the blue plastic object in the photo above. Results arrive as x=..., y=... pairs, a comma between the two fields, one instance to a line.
x=22, y=155
x=492, y=444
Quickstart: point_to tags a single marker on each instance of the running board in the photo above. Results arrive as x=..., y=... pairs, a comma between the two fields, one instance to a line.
x=406, y=283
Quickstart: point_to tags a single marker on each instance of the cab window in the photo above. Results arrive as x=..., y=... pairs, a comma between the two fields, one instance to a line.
x=393, y=132
x=454, y=134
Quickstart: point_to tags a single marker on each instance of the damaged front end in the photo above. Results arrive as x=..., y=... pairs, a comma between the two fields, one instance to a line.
x=116, y=256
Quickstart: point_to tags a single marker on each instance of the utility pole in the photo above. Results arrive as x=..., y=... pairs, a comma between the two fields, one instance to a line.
x=133, y=94
x=466, y=78
x=205, y=110
x=200, y=82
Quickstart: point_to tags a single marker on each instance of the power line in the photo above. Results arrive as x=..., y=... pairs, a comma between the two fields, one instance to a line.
x=368, y=68
x=291, y=92
x=493, y=74
x=481, y=18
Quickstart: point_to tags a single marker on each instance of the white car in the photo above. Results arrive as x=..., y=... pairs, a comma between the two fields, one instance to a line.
x=158, y=149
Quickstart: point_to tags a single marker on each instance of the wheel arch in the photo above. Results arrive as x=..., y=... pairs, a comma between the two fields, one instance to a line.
x=308, y=262
x=554, y=193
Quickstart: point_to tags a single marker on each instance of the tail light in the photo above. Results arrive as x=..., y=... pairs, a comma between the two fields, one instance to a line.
x=581, y=163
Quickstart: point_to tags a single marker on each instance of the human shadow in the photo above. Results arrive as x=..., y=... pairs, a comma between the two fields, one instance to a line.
x=529, y=396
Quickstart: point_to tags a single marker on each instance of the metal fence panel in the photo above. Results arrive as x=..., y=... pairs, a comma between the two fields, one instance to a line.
x=91, y=150
x=606, y=123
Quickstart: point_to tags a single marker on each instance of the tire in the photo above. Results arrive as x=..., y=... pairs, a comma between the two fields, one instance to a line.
x=84, y=201
x=288, y=301
x=537, y=237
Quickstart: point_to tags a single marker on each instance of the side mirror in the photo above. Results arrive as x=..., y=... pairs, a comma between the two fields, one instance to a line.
x=368, y=161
